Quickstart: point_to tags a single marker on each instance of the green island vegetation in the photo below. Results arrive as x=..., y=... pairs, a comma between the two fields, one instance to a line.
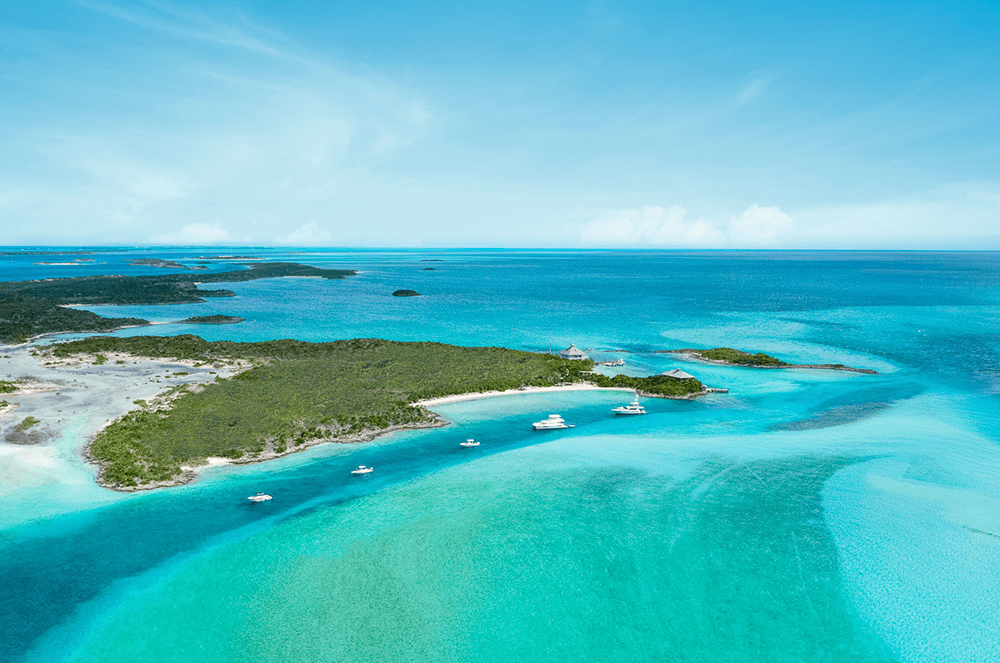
x=3, y=404
x=298, y=393
x=157, y=262
x=8, y=387
x=212, y=320
x=739, y=357
x=27, y=423
x=735, y=357
x=654, y=385
x=22, y=433
x=406, y=293
x=31, y=308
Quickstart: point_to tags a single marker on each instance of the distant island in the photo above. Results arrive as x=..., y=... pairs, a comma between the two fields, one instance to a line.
x=32, y=308
x=212, y=320
x=286, y=395
x=156, y=262
x=406, y=293
x=734, y=357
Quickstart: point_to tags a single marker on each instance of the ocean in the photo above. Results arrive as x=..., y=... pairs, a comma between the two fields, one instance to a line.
x=804, y=516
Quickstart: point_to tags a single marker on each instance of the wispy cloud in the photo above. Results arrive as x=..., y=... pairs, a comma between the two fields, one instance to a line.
x=308, y=234
x=198, y=234
x=196, y=134
x=183, y=22
x=652, y=226
x=753, y=89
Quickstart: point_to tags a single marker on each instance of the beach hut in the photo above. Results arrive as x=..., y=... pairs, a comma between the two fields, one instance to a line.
x=572, y=352
x=678, y=374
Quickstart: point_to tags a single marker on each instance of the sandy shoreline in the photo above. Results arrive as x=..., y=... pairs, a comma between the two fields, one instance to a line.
x=458, y=398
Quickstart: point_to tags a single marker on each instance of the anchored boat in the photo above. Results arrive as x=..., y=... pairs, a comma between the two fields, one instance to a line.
x=554, y=422
x=362, y=470
x=469, y=443
x=631, y=408
x=259, y=497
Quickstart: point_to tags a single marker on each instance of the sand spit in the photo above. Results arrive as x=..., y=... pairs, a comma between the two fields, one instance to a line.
x=73, y=399
x=693, y=355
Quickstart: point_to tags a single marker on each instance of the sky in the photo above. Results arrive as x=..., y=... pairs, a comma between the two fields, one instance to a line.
x=865, y=125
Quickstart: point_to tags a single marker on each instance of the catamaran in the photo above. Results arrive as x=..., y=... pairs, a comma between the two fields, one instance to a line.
x=554, y=422
x=631, y=408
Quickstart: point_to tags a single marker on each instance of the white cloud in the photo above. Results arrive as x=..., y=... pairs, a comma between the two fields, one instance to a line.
x=760, y=227
x=197, y=234
x=757, y=227
x=308, y=234
x=652, y=226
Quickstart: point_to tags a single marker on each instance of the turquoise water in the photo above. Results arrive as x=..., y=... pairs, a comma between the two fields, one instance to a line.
x=805, y=516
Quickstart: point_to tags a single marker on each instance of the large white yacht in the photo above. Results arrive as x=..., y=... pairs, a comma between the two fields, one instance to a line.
x=468, y=443
x=631, y=408
x=554, y=422
x=362, y=470
x=259, y=497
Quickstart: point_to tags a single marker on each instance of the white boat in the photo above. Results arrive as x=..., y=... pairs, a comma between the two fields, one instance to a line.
x=468, y=443
x=631, y=408
x=259, y=497
x=362, y=470
x=554, y=422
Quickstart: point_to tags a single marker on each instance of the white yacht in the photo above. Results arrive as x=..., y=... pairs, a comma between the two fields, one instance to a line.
x=554, y=422
x=469, y=443
x=259, y=497
x=362, y=470
x=631, y=408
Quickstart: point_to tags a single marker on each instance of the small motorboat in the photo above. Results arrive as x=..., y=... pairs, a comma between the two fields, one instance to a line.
x=631, y=408
x=259, y=497
x=469, y=443
x=554, y=422
x=362, y=470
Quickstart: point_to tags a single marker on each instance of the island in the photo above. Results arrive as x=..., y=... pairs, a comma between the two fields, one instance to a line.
x=157, y=262
x=212, y=320
x=33, y=308
x=406, y=293
x=734, y=357
x=282, y=396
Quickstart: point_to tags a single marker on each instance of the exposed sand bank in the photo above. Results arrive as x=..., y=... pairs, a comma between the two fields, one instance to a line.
x=73, y=399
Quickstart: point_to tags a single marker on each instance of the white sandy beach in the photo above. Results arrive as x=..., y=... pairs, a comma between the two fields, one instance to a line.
x=444, y=400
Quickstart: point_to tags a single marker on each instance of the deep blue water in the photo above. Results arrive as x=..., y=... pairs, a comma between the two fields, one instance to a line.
x=912, y=451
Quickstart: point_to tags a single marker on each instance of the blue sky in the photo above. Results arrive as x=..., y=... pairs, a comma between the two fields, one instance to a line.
x=561, y=124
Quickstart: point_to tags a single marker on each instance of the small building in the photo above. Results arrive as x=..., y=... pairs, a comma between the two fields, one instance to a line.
x=678, y=374
x=572, y=352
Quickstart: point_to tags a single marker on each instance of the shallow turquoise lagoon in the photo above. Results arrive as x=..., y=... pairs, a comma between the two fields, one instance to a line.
x=805, y=516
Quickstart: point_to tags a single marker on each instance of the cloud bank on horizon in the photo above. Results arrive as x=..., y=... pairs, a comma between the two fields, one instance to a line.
x=592, y=124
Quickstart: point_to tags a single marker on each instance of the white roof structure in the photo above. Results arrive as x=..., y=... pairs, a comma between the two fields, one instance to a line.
x=572, y=352
x=678, y=374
